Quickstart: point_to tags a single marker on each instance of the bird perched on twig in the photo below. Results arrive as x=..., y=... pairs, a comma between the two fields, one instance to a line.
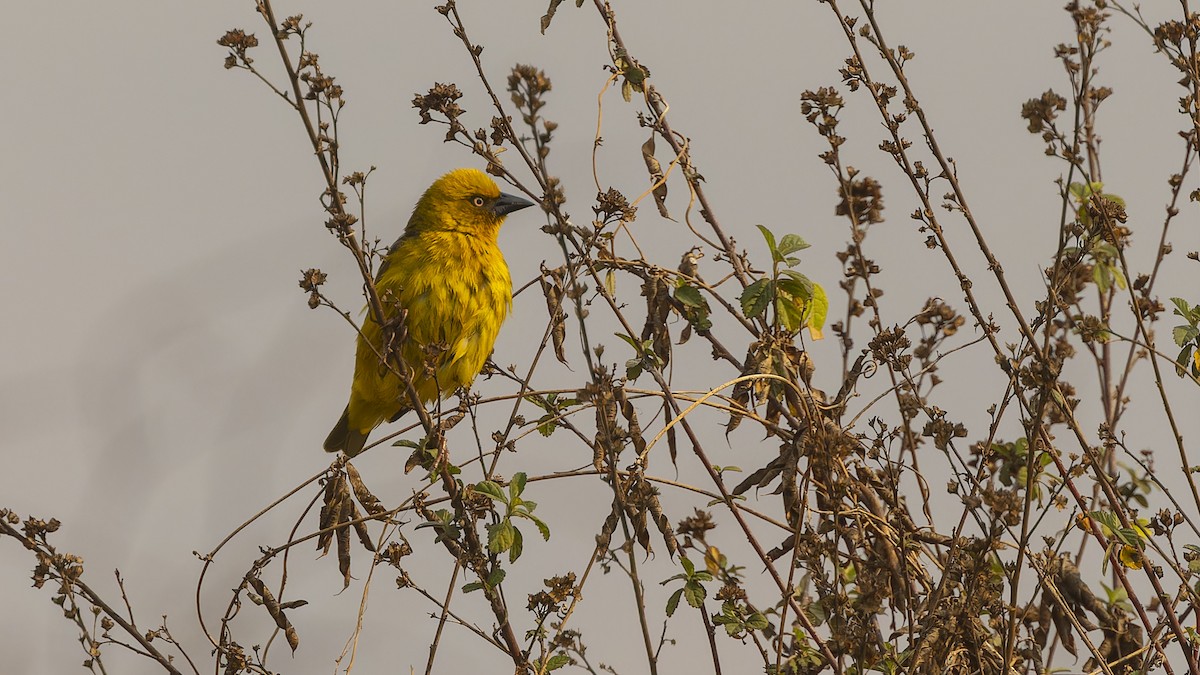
x=446, y=271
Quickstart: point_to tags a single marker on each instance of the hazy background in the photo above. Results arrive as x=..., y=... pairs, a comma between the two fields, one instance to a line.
x=161, y=377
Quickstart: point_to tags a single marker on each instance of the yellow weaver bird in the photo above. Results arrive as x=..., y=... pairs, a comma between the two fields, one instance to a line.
x=447, y=271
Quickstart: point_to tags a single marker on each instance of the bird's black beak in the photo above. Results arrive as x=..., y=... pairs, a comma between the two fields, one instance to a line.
x=506, y=204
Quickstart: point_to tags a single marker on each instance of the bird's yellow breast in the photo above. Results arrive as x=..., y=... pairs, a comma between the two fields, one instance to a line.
x=456, y=288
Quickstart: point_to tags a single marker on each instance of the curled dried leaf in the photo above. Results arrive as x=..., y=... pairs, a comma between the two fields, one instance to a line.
x=552, y=290
x=657, y=178
x=658, y=309
x=275, y=610
x=369, y=501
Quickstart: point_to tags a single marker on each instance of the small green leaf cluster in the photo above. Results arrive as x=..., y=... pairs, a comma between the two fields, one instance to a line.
x=425, y=454
x=556, y=661
x=554, y=408
x=503, y=535
x=646, y=357
x=694, y=307
x=443, y=523
x=1187, y=337
x=1125, y=543
x=795, y=300
x=693, y=586
x=1106, y=269
x=494, y=579
x=1117, y=597
x=1084, y=193
x=1015, y=465
x=738, y=620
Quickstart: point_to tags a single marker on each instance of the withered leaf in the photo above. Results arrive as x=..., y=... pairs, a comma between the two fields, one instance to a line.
x=343, y=549
x=656, y=177
x=360, y=528
x=364, y=496
x=551, y=282
x=276, y=611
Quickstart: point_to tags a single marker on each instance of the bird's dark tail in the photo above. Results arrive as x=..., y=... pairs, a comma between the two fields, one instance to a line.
x=343, y=438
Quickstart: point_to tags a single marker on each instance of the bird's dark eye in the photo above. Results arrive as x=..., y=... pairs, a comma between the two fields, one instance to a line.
x=477, y=201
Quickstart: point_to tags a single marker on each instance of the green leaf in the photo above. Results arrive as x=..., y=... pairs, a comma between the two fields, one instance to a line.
x=496, y=577
x=443, y=523
x=673, y=602
x=757, y=621
x=537, y=400
x=1101, y=276
x=816, y=613
x=850, y=573
x=789, y=310
x=557, y=661
x=757, y=297
x=1118, y=276
x=818, y=309
x=701, y=322
x=694, y=593
x=1182, y=361
x=501, y=536
x=770, y=237
x=473, y=586
x=792, y=243
x=1181, y=307
x=518, y=545
x=689, y=295
x=517, y=485
x=492, y=489
x=633, y=369
x=1184, y=334
x=794, y=288
x=1108, y=520
x=637, y=346
x=542, y=527
x=645, y=354
x=802, y=280
x=695, y=308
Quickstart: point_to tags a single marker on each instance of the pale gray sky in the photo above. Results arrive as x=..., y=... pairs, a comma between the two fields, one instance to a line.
x=162, y=378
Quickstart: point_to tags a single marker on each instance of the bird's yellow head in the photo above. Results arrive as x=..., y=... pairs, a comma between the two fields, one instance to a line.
x=465, y=200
